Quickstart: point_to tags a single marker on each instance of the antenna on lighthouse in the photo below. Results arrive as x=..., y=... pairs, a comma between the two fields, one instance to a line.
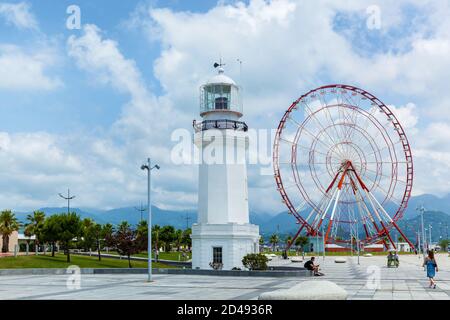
x=219, y=65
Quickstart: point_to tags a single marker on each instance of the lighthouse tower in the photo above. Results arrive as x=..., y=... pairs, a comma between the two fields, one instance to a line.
x=222, y=234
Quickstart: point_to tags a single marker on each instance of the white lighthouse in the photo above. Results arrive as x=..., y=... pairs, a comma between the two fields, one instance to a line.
x=222, y=234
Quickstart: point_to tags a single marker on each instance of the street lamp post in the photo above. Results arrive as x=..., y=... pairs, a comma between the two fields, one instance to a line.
x=421, y=209
x=357, y=240
x=429, y=228
x=149, y=169
x=323, y=243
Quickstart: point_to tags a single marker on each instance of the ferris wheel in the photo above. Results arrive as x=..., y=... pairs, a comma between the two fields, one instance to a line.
x=343, y=166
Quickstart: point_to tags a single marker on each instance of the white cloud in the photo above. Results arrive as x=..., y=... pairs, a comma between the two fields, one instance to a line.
x=18, y=15
x=143, y=128
x=22, y=70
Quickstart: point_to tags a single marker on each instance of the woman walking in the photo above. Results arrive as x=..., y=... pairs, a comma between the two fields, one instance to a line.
x=431, y=268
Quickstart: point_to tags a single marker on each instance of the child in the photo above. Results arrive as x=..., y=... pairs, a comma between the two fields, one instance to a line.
x=431, y=268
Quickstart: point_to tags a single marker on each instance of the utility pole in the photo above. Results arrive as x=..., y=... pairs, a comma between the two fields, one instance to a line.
x=68, y=198
x=187, y=220
x=141, y=210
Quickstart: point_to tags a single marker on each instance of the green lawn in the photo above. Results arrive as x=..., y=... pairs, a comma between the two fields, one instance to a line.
x=175, y=256
x=59, y=261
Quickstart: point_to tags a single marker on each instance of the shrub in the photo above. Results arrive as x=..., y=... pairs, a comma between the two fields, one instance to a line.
x=255, y=261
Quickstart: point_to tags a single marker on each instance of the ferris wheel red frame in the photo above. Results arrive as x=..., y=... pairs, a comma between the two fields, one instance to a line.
x=350, y=166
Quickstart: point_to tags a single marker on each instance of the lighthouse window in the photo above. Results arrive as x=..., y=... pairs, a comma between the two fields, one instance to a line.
x=217, y=254
x=221, y=103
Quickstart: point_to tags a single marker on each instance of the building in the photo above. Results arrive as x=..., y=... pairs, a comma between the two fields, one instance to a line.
x=332, y=247
x=403, y=247
x=375, y=247
x=13, y=241
x=222, y=234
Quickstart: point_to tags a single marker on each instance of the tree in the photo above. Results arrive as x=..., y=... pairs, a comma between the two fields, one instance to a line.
x=288, y=240
x=34, y=226
x=95, y=234
x=125, y=241
x=167, y=236
x=50, y=231
x=107, y=234
x=142, y=235
x=301, y=242
x=28, y=233
x=255, y=261
x=274, y=239
x=444, y=243
x=71, y=228
x=8, y=224
x=178, y=235
x=186, y=239
x=90, y=234
x=156, y=229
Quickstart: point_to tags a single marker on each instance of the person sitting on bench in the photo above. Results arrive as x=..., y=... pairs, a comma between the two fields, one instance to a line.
x=309, y=265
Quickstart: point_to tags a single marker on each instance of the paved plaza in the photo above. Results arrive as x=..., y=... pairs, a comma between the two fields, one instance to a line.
x=405, y=283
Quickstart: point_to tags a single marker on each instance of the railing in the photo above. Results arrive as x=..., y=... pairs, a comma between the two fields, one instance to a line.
x=219, y=124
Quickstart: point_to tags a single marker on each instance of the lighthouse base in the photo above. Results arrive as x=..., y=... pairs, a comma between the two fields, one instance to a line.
x=224, y=244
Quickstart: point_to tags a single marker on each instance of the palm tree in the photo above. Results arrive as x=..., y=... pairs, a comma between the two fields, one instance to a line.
x=155, y=236
x=8, y=224
x=288, y=240
x=35, y=225
x=274, y=239
x=178, y=238
x=28, y=233
x=301, y=242
x=261, y=243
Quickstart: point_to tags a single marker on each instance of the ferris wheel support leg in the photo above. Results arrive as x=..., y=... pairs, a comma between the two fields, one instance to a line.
x=332, y=215
x=404, y=237
x=365, y=230
x=379, y=218
x=325, y=212
x=393, y=223
x=388, y=235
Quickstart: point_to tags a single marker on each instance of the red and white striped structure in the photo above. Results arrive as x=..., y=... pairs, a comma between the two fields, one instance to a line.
x=343, y=165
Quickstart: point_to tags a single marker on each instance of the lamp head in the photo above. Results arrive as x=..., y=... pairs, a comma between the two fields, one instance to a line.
x=144, y=167
x=157, y=166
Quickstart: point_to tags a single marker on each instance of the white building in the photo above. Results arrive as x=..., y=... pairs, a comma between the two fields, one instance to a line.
x=222, y=234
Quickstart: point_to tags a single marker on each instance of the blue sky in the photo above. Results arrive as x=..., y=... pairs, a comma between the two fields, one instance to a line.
x=82, y=108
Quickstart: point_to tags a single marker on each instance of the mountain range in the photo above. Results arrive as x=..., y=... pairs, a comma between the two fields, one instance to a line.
x=437, y=210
